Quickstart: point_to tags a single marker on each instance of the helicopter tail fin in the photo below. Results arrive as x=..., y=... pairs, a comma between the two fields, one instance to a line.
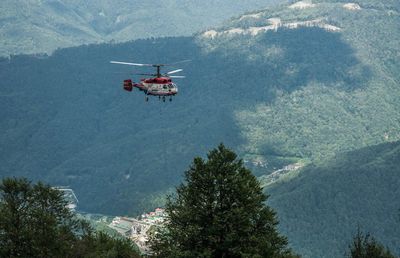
x=128, y=85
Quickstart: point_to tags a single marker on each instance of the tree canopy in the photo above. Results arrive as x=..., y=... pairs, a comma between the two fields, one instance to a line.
x=365, y=246
x=219, y=211
x=36, y=222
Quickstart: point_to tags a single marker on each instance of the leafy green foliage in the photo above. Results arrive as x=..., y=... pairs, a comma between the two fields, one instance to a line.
x=35, y=222
x=102, y=245
x=219, y=212
x=365, y=246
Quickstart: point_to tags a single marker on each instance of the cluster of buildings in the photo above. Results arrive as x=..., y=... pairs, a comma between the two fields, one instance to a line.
x=280, y=173
x=275, y=23
x=138, y=229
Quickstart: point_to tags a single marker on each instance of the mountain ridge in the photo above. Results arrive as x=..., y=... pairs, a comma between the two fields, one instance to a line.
x=42, y=26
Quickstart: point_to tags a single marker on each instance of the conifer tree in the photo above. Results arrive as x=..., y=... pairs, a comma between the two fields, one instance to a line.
x=15, y=236
x=365, y=246
x=219, y=212
x=52, y=223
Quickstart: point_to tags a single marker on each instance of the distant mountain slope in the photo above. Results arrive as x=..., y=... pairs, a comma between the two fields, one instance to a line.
x=322, y=208
x=292, y=92
x=32, y=26
x=332, y=68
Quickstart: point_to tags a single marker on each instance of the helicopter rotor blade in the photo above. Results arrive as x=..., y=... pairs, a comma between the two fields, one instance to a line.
x=177, y=76
x=126, y=63
x=175, y=71
x=179, y=62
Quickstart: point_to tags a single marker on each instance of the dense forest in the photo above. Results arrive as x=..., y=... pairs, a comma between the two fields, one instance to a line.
x=331, y=200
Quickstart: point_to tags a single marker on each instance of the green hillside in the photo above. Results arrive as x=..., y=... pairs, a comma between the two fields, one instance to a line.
x=335, y=84
x=321, y=210
x=42, y=26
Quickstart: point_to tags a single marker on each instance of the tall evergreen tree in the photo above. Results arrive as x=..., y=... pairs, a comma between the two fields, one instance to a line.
x=219, y=212
x=35, y=221
x=52, y=223
x=15, y=236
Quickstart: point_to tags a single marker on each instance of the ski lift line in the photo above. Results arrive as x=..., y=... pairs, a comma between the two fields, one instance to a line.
x=69, y=190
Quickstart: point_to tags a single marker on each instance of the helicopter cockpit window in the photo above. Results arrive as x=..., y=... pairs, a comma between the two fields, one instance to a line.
x=170, y=86
x=164, y=86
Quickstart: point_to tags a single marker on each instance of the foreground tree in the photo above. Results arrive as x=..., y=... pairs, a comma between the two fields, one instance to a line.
x=365, y=246
x=99, y=245
x=15, y=236
x=35, y=222
x=219, y=212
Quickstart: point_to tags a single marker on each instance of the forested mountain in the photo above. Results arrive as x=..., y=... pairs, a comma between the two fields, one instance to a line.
x=322, y=209
x=291, y=92
x=37, y=26
x=331, y=69
x=299, y=82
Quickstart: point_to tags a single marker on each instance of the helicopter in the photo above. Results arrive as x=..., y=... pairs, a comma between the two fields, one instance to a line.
x=159, y=84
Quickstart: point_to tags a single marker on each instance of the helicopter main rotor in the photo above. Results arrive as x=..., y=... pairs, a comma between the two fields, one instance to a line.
x=158, y=67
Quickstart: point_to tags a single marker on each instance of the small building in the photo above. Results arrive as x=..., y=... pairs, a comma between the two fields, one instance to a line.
x=122, y=225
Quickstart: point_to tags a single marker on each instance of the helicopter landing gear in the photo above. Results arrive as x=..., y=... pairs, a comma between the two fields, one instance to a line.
x=159, y=97
x=163, y=98
x=146, y=98
x=170, y=99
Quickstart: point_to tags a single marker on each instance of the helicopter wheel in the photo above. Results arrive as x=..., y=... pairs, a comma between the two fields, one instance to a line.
x=146, y=98
x=159, y=97
x=170, y=99
x=163, y=98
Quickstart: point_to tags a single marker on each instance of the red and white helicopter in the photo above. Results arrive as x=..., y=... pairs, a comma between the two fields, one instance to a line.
x=159, y=85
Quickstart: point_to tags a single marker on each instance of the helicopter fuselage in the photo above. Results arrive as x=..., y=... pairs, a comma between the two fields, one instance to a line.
x=161, y=86
x=158, y=86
